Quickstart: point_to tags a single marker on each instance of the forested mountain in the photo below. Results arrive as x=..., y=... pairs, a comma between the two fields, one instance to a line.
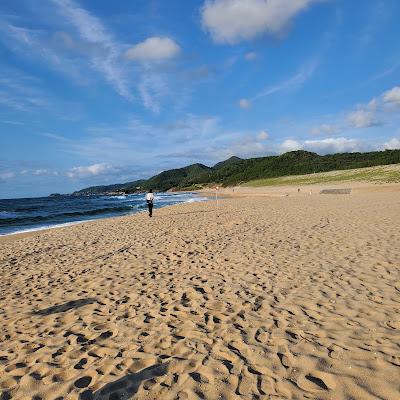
x=236, y=170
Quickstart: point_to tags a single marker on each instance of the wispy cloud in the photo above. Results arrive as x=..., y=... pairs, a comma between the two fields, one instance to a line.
x=305, y=73
x=20, y=91
x=82, y=42
x=106, y=57
x=300, y=78
x=385, y=72
x=32, y=43
x=377, y=13
x=9, y=122
x=128, y=144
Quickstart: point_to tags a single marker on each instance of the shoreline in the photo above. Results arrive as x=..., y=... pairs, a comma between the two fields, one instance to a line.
x=27, y=231
x=227, y=193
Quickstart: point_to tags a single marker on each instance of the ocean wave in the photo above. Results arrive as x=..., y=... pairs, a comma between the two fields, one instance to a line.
x=111, y=198
x=26, y=215
x=40, y=218
x=7, y=214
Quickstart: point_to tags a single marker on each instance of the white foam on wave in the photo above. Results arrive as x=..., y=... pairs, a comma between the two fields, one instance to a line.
x=42, y=228
x=8, y=214
x=196, y=199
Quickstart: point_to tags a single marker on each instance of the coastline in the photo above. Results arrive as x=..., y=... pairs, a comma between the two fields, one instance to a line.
x=231, y=192
x=287, y=296
x=28, y=230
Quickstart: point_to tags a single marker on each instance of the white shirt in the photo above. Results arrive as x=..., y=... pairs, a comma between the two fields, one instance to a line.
x=149, y=197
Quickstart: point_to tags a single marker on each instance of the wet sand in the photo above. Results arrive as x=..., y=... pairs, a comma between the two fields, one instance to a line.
x=271, y=297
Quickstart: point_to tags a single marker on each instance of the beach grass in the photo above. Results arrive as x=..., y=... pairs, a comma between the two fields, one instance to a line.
x=380, y=174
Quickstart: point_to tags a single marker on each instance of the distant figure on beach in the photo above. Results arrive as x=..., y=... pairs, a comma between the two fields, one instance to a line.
x=149, y=200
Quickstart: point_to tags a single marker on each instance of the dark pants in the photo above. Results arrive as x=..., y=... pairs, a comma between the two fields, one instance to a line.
x=150, y=206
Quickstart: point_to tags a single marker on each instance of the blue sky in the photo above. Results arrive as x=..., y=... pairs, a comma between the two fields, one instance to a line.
x=98, y=92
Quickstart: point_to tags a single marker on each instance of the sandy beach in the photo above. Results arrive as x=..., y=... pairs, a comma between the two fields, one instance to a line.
x=275, y=295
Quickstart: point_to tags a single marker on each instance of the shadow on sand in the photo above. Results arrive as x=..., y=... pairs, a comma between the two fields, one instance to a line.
x=125, y=387
x=69, y=305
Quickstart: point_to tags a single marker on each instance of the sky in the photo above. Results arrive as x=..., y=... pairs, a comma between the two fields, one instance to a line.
x=100, y=92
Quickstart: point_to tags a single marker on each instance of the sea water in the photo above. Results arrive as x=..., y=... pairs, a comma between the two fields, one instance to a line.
x=30, y=214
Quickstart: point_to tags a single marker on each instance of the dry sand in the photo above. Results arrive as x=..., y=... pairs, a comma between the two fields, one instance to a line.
x=292, y=297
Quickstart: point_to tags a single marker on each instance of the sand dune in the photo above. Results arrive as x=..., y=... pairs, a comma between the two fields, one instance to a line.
x=292, y=297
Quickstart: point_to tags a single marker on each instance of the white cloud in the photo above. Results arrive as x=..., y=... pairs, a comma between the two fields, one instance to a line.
x=392, y=144
x=263, y=135
x=325, y=129
x=244, y=104
x=373, y=104
x=334, y=145
x=233, y=21
x=89, y=171
x=6, y=175
x=324, y=146
x=392, y=96
x=153, y=49
x=44, y=171
x=290, y=145
x=251, y=56
x=39, y=172
x=362, y=119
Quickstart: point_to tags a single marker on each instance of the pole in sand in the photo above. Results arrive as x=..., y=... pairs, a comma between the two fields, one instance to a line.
x=216, y=196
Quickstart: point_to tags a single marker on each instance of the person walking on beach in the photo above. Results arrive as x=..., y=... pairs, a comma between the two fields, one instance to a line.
x=149, y=200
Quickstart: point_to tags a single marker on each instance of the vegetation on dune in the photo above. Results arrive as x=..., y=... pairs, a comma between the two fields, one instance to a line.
x=386, y=174
x=268, y=170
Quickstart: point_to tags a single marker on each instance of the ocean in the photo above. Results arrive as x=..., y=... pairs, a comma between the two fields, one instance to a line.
x=24, y=215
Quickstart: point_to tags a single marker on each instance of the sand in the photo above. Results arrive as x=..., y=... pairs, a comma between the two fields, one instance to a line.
x=290, y=297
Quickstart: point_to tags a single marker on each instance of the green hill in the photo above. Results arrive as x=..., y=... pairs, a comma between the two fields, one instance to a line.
x=176, y=178
x=236, y=170
x=116, y=188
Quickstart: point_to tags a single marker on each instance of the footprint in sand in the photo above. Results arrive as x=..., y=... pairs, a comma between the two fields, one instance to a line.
x=316, y=381
x=393, y=324
x=287, y=359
